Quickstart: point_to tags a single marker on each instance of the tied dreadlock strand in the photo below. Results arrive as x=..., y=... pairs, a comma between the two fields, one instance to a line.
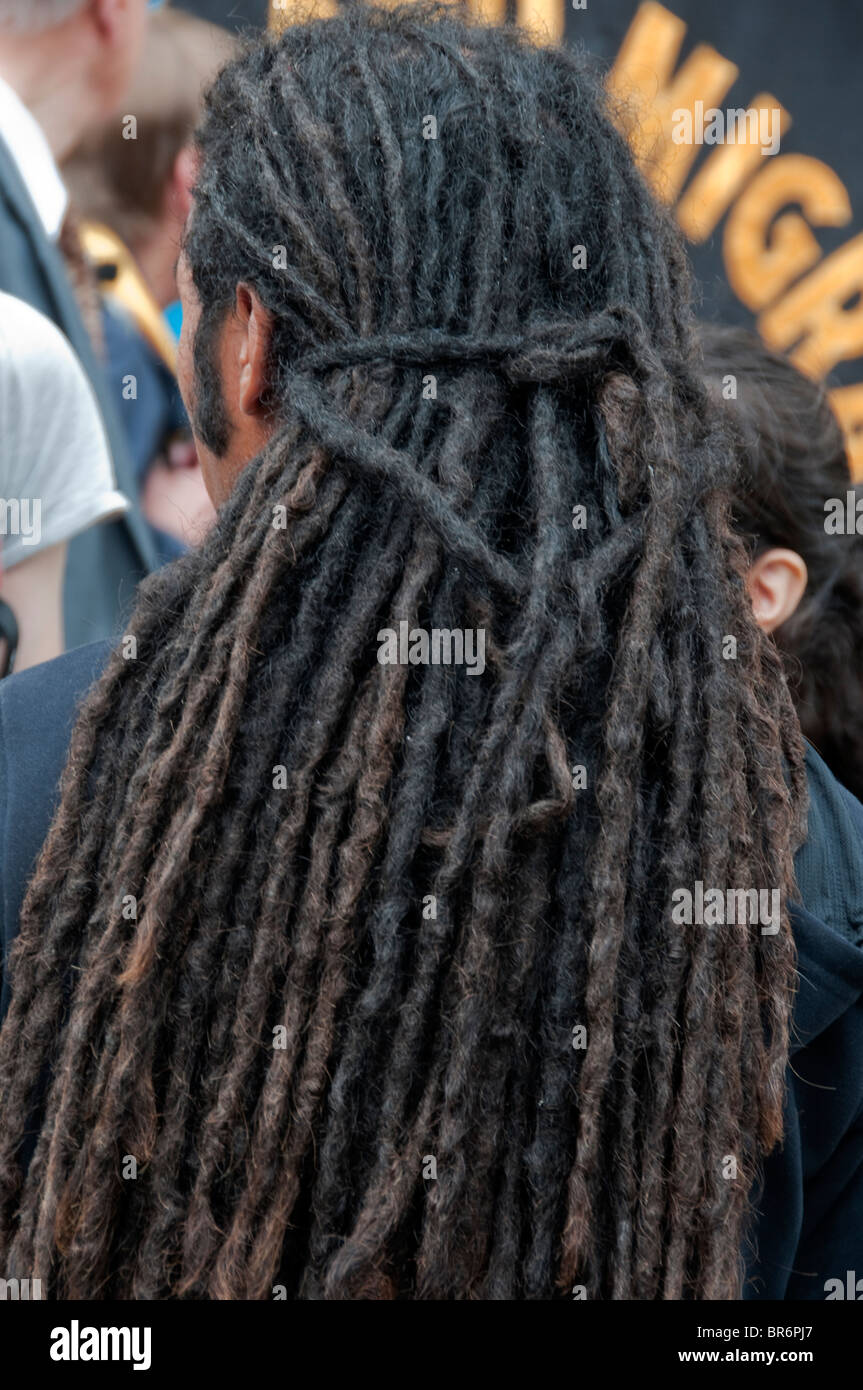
x=402, y=1011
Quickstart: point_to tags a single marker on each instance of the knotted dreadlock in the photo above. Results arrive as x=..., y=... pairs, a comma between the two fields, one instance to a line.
x=340, y=1034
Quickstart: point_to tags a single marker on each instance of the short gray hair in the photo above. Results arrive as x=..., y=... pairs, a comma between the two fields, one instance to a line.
x=34, y=16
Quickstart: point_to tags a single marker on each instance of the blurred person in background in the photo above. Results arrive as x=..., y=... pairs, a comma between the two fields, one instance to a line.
x=65, y=66
x=131, y=184
x=56, y=478
x=806, y=583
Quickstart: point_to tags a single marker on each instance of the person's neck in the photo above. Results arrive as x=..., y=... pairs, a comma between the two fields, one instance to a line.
x=53, y=93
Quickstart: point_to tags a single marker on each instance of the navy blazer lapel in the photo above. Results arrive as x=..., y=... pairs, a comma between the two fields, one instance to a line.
x=50, y=262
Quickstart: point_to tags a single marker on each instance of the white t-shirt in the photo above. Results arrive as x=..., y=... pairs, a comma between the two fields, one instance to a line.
x=56, y=476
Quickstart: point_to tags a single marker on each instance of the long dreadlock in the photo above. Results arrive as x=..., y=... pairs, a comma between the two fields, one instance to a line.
x=315, y=940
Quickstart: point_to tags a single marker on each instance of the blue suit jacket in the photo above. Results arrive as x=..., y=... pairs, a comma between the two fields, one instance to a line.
x=809, y=1226
x=106, y=562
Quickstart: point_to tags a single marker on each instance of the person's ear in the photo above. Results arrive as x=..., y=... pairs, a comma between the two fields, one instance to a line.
x=178, y=191
x=776, y=583
x=255, y=327
x=107, y=15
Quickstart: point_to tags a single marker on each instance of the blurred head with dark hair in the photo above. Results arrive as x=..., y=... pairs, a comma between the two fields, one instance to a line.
x=140, y=187
x=806, y=584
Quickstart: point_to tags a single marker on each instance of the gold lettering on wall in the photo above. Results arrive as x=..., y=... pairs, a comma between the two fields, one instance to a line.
x=765, y=249
x=647, y=91
x=542, y=19
x=284, y=12
x=764, y=253
x=716, y=185
x=825, y=310
x=767, y=246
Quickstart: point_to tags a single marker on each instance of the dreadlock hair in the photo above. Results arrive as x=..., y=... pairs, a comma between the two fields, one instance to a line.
x=377, y=908
x=791, y=459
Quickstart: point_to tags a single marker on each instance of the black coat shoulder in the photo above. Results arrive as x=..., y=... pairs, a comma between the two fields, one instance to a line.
x=37, y=712
x=807, y=1241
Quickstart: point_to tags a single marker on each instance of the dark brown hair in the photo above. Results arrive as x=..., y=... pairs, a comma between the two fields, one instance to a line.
x=420, y=883
x=791, y=460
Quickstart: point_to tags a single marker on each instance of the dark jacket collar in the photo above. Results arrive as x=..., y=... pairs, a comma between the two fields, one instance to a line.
x=830, y=976
x=828, y=926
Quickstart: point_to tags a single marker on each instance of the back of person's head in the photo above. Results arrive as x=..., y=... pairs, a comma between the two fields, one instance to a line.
x=121, y=175
x=791, y=461
x=370, y=832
